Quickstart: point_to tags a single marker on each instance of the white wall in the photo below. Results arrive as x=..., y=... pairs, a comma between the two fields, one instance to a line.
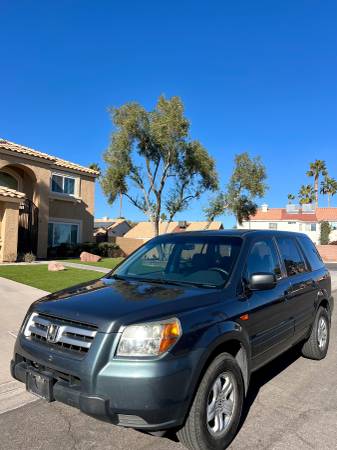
x=283, y=226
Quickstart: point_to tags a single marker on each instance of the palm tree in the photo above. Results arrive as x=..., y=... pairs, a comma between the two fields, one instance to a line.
x=291, y=197
x=306, y=194
x=317, y=168
x=329, y=187
x=95, y=166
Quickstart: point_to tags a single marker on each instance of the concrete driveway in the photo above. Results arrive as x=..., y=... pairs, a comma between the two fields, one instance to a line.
x=292, y=404
x=15, y=299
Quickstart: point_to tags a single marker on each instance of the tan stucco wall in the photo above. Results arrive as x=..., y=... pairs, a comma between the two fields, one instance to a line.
x=36, y=177
x=81, y=209
x=129, y=245
x=9, y=231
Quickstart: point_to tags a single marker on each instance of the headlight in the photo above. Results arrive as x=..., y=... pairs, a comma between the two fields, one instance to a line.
x=149, y=339
x=27, y=324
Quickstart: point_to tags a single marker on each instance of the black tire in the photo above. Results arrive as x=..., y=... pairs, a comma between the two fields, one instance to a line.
x=195, y=433
x=311, y=348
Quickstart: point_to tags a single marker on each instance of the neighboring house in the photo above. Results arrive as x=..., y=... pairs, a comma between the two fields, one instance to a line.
x=305, y=219
x=144, y=231
x=45, y=201
x=106, y=229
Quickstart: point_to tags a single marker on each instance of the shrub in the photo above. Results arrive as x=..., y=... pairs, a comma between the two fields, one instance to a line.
x=90, y=247
x=109, y=250
x=29, y=257
x=62, y=251
x=325, y=233
x=104, y=249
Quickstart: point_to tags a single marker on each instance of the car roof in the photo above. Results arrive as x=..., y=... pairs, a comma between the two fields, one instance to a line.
x=236, y=232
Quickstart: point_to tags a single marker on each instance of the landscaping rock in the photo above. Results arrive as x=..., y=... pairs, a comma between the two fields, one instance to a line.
x=54, y=266
x=89, y=257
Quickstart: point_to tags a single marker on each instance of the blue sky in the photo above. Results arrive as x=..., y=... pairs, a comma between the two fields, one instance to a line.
x=257, y=76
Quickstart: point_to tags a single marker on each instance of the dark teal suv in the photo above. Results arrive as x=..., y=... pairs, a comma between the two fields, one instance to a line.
x=169, y=339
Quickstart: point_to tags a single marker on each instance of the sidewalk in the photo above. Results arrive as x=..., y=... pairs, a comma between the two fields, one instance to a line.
x=15, y=298
x=65, y=263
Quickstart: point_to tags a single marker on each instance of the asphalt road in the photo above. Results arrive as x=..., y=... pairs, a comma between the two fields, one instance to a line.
x=292, y=404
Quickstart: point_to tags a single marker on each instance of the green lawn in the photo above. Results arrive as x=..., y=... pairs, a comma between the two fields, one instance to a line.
x=108, y=263
x=39, y=277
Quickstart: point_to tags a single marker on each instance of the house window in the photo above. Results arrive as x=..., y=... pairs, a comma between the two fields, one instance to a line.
x=272, y=226
x=310, y=227
x=62, y=233
x=63, y=184
x=8, y=181
x=333, y=225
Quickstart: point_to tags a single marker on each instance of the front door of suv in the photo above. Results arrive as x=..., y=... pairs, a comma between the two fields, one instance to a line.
x=270, y=325
x=304, y=289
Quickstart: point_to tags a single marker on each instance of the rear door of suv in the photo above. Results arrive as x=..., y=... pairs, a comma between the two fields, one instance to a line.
x=304, y=288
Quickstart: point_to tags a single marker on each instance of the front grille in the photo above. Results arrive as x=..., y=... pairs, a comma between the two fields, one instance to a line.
x=59, y=333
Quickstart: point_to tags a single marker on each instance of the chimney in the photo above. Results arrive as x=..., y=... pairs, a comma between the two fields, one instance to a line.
x=264, y=207
x=182, y=224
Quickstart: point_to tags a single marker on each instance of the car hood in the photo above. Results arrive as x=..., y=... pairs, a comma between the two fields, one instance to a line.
x=109, y=304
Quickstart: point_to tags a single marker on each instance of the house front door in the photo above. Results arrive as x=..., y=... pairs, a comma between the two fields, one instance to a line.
x=28, y=227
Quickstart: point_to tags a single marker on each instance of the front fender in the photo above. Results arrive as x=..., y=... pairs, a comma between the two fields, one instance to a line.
x=214, y=340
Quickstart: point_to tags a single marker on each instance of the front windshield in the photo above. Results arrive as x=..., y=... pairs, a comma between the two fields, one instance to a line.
x=196, y=260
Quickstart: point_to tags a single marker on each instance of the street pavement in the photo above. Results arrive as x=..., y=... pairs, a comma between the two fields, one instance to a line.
x=15, y=298
x=292, y=404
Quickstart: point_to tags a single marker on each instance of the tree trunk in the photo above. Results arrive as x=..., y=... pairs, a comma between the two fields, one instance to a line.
x=328, y=200
x=156, y=226
x=316, y=191
x=120, y=204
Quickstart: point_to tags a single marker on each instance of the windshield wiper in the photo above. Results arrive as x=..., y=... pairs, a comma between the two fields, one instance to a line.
x=165, y=281
x=195, y=283
x=177, y=282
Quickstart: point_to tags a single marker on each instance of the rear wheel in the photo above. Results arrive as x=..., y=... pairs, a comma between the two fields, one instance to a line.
x=216, y=410
x=316, y=347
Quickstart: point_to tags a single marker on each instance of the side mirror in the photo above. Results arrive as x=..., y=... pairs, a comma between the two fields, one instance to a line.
x=262, y=281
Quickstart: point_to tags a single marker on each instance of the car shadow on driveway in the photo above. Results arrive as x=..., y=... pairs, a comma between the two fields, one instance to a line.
x=266, y=374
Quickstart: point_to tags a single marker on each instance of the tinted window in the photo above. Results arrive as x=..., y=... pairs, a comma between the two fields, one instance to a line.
x=292, y=256
x=263, y=258
x=311, y=253
x=206, y=259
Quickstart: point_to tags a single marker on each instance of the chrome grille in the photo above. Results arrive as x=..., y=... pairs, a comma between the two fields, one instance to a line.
x=60, y=333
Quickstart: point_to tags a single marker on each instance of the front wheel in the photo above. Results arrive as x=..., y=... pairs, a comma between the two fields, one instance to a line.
x=316, y=347
x=216, y=410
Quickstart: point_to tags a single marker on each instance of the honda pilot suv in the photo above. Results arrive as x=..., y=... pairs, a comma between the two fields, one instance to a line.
x=170, y=338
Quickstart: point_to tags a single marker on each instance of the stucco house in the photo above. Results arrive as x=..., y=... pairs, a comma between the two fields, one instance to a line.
x=45, y=201
x=107, y=229
x=303, y=218
x=144, y=231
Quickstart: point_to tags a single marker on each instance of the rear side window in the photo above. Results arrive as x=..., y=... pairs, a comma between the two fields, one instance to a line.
x=292, y=257
x=311, y=253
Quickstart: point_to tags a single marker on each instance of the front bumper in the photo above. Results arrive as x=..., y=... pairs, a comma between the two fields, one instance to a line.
x=147, y=395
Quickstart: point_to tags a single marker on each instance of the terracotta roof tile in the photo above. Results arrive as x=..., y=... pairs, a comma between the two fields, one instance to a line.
x=326, y=214
x=198, y=226
x=6, y=192
x=37, y=154
x=270, y=214
x=144, y=230
x=281, y=214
